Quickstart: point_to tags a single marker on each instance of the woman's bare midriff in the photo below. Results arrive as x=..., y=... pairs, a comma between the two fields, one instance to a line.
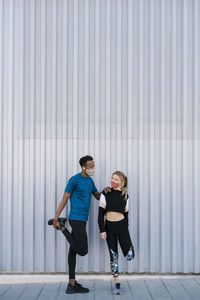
x=114, y=216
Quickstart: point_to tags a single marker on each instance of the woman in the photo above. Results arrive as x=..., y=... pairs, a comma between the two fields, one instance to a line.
x=114, y=206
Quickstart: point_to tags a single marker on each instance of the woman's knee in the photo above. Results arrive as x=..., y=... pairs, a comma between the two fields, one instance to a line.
x=131, y=254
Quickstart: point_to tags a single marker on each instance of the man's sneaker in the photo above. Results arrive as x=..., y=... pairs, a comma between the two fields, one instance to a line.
x=77, y=288
x=117, y=289
x=60, y=220
x=78, y=283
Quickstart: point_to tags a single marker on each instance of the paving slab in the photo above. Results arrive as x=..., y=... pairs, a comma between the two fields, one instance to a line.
x=101, y=288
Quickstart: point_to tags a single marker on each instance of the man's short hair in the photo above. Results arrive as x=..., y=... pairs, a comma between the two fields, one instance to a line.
x=83, y=160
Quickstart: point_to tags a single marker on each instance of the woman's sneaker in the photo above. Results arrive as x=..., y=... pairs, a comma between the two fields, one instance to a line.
x=77, y=288
x=117, y=289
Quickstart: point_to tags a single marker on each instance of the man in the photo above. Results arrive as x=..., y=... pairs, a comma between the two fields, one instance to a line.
x=79, y=189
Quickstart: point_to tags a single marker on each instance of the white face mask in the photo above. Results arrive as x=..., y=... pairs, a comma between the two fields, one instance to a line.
x=90, y=172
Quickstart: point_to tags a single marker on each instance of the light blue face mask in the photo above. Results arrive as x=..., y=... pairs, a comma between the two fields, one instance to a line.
x=90, y=172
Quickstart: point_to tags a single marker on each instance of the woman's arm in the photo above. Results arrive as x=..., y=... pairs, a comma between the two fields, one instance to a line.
x=101, y=219
x=101, y=215
x=126, y=215
x=126, y=209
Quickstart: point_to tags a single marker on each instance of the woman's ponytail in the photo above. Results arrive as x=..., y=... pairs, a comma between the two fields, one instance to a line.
x=124, y=188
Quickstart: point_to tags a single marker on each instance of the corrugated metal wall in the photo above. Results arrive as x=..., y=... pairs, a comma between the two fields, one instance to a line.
x=115, y=79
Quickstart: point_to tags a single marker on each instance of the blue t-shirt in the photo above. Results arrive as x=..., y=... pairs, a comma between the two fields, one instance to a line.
x=81, y=189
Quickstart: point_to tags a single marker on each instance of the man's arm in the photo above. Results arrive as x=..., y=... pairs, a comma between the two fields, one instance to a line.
x=97, y=195
x=61, y=206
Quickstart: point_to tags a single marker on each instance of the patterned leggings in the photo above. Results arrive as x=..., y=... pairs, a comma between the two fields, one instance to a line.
x=118, y=231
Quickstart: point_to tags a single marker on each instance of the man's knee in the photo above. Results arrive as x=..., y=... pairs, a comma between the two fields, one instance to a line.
x=83, y=252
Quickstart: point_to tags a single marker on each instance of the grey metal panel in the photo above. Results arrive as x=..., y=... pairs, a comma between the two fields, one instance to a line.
x=118, y=80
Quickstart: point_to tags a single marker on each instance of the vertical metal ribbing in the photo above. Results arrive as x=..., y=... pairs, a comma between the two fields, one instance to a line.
x=63, y=171
x=173, y=138
x=142, y=242
x=95, y=235
x=53, y=117
x=20, y=95
x=43, y=106
x=86, y=73
x=119, y=86
x=185, y=135
x=32, y=134
x=26, y=157
x=66, y=90
x=1, y=126
x=107, y=110
x=51, y=202
x=9, y=66
x=75, y=84
x=163, y=199
x=4, y=145
x=38, y=213
x=152, y=263
x=196, y=207
x=129, y=143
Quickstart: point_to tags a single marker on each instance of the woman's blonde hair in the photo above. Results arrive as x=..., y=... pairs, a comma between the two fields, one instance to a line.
x=124, y=179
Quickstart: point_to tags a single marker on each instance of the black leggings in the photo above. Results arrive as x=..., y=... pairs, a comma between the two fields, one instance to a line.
x=118, y=231
x=78, y=243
